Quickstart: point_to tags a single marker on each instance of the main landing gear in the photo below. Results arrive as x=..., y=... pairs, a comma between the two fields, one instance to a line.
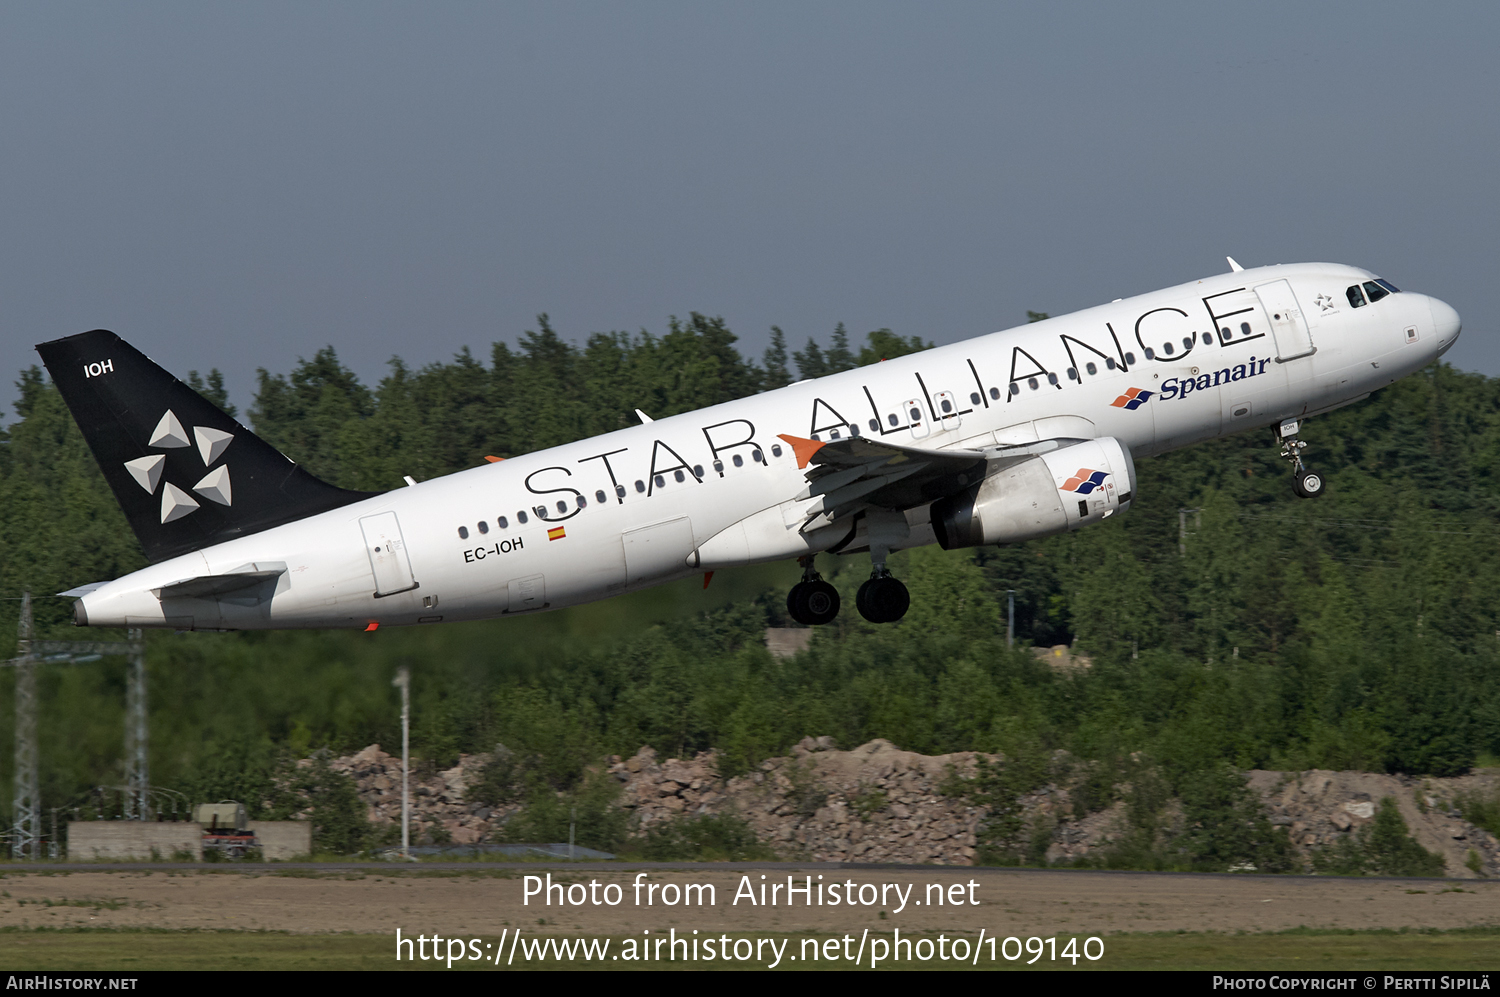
x=882, y=599
x=812, y=601
x=1307, y=484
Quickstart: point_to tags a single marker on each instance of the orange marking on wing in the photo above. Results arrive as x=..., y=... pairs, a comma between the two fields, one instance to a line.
x=804, y=449
x=373, y=626
x=493, y=459
x=708, y=576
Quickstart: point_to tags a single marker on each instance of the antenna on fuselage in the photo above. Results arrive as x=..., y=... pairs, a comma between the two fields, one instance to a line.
x=1233, y=266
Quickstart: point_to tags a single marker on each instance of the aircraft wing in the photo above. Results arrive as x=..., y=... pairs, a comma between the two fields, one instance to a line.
x=843, y=475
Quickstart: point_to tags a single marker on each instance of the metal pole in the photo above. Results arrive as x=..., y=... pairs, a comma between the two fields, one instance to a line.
x=27, y=829
x=137, y=768
x=403, y=682
x=1010, y=624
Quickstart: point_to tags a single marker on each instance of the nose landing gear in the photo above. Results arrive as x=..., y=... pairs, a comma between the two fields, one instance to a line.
x=1307, y=484
x=812, y=601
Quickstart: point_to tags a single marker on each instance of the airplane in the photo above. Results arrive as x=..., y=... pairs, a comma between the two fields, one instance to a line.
x=1000, y=439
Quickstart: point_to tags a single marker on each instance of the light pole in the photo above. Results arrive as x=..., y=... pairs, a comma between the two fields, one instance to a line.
x=402, y=681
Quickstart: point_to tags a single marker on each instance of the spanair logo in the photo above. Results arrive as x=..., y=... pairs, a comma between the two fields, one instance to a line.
x=1086, y=480
x=168, y=435
x=1132, y=399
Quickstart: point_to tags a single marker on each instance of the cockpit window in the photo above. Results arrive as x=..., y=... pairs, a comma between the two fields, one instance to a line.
x=1356, y=296
x=1375, y=291
x=1388, y=286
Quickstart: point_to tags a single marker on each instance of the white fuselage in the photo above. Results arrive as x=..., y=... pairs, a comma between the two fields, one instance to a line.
x=659, y=520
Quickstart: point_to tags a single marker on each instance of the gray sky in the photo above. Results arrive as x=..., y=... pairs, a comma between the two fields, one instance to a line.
x=238, y=184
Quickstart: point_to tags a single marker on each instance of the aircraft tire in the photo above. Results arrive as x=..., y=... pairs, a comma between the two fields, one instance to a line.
x=1309, y=484
x=813, y=603
x=883, y=600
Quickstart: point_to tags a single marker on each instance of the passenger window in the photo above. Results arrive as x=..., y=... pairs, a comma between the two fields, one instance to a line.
x=1129, y=359
x=1187, y=343
x=738, y=461
x=463, y=533
x=947, y=406
x=1052, y=379
x=1150, y=353
x=916, y=415
x=1244, y=328
x=776, y=448
x=994, y=396
x=1015, y=389
x=521, y=517
x=582, y=502
x=1207, y=339
x=1072, y=373
x=640, y=485
x=620, y=491
x=660, y=481
x=483, y=526
x=853, y=429
x=974, y=399
x=563, y=506
x=1356, y=296
x=719, y=466
x=874, y=428
x=1091, y=367
x=1031, y=383
x=833, y=434
x=678, y=476
x=1167, y=348
x=1375, y=291
x=599, y=496
x=757, y=456
x=504, y=523
x=540, y=510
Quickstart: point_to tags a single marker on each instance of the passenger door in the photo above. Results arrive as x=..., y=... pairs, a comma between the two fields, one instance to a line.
x=1288, y=324
x=388, y=558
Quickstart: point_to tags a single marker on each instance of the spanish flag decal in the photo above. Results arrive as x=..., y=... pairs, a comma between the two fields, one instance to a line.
x=556, y=533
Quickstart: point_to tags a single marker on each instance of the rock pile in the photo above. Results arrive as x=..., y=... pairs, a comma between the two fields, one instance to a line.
x=876, y=803
x=1319, y=808
x=439, y=809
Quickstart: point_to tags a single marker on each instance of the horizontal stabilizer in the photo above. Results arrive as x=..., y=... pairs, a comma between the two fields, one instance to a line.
x=214, y=586
x=79, y=591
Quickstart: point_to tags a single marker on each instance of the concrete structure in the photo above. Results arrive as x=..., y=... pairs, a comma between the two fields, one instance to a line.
x=149, y=841
x=135, y=840
x=283, y=840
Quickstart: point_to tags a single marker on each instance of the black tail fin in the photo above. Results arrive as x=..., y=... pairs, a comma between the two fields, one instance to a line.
x=186, y=474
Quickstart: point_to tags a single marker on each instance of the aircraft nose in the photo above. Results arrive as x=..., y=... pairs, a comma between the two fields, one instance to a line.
x=1445, y=322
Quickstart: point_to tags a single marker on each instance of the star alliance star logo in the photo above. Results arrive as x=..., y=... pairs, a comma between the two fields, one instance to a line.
x=1324, y=303
x=168, y=435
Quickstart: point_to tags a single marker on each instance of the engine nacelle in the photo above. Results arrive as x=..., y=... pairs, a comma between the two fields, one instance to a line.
x=1038, y=495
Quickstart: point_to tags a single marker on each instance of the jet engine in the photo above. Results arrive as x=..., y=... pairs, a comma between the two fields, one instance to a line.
x=1034, y=494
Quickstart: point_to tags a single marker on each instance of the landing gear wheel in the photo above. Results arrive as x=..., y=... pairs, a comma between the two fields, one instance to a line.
x=883, y=599
x=1308, y=484
x=813, y=603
